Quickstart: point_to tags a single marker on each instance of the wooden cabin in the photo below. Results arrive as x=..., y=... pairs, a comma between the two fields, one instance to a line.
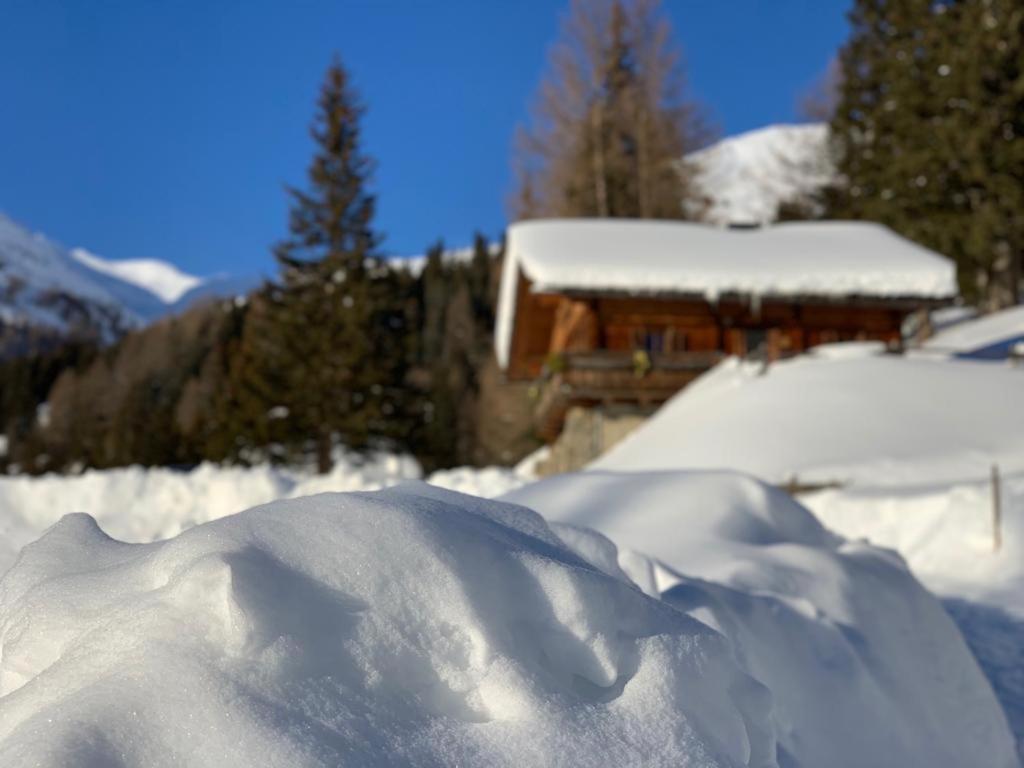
x=602, y=311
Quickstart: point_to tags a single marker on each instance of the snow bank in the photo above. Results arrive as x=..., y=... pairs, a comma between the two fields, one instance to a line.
x=874, y=419
x=986, y=337
x=412, y=626
x=864, y=666
x=138, y=504
x=145, y=504
x=946, y=533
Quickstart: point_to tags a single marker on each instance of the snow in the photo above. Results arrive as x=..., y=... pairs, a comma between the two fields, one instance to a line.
x=746, y=177
x=986, y=337
x=419, y=626
x=911, y=441
x=35, y=273
x=44, y=285
x=174, y=500
x=946, y=532
x=841, y=414
x=412, y=626
x=863, y=664
x=821, y=259
x=160, y=278
x=415, y=264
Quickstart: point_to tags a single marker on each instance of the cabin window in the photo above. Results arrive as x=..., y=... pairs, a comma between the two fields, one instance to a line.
x=658, y=340
x=649, y=339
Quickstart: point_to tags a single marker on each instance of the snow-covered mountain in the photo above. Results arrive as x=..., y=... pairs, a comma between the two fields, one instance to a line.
x=165, y=281
x=48, y=292
x=747, y=176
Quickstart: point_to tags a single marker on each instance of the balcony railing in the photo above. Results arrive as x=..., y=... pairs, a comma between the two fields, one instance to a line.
x=607, y=377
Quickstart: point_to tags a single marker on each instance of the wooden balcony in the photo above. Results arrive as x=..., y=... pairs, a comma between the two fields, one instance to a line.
x=606, y=378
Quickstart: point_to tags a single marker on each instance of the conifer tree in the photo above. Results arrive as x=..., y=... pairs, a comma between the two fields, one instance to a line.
x=611, y=124
x=928, y=130
x=324, y=327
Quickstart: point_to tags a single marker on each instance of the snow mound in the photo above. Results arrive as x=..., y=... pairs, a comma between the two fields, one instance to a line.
x=407, y=627
x=864, y=666
x=164, y=280
x=838, y=418
x=987, y=337
x=746, y=177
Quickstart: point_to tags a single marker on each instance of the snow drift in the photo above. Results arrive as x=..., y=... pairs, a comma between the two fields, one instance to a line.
x=412, y=626
x=864, y=666
x=989, y=337
x=842, y=413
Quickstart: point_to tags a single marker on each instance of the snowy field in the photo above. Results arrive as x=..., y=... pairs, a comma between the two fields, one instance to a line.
x=477, y=632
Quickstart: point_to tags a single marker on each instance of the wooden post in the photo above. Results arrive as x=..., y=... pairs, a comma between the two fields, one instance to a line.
x=997, y=512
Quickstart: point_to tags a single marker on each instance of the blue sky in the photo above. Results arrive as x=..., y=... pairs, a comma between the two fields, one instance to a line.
x=138, y=128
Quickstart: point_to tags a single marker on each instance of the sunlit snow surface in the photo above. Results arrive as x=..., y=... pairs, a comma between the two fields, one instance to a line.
x=909, y=441
x=467, y=633
x=412, y=626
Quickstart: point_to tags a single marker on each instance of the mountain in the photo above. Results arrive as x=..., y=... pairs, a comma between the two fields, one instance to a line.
x=45, y=294
x=163, y=280
x=746, y=177
x=167, y=289
x=48, y=292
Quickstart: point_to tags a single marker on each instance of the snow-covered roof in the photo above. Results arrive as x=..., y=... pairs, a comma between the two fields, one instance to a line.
x=823, y=258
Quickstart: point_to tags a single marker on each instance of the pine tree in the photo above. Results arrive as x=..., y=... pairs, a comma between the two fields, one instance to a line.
x=927, y=132
x=611, y=124
x=324, y=330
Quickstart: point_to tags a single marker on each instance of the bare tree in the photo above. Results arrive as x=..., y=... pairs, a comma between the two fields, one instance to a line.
x=611, y=122
x=818, y=102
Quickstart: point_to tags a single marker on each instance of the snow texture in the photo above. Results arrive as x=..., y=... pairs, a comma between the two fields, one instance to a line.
x=412, y=626
x=822, y=259
x=746, y=177
x=864, y=666
x=841, y=414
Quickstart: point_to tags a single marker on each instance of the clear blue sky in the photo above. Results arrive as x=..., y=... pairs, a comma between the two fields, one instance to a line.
x=169, y=129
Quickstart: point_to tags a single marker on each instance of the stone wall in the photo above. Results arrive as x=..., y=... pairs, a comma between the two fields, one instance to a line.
x=588, y=433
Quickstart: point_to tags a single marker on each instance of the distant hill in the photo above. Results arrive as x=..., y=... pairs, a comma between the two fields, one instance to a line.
x=48, y=292
x=746, y=177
